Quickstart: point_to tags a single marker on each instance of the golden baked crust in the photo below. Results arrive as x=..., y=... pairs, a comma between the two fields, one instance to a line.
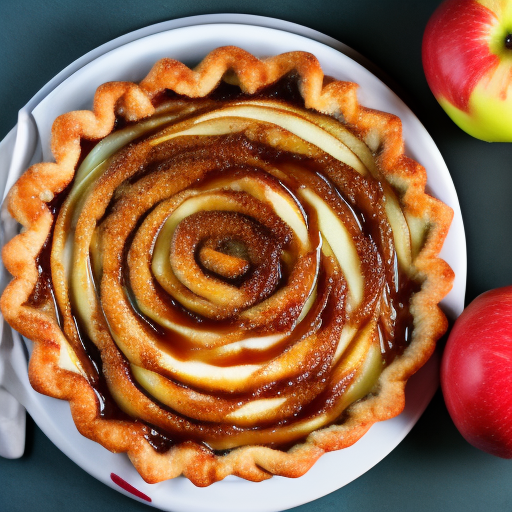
x=59, y=367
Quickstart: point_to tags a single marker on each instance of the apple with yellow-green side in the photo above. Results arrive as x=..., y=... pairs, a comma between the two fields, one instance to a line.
x=467, y=59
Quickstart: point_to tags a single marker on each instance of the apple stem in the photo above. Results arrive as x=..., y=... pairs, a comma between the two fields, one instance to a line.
x=508, y=42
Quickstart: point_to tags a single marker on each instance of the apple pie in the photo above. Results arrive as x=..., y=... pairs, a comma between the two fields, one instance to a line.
x=229, y=270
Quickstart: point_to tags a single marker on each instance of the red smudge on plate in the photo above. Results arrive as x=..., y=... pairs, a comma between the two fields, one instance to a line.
x=127, y=487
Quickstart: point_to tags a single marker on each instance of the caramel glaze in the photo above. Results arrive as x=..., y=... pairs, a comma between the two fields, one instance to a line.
x=356, y=200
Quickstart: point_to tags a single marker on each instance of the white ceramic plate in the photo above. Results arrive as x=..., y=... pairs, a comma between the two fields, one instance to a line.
x=190, y=44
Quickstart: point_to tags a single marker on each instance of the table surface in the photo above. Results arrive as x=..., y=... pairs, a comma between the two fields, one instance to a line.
x=433, y=468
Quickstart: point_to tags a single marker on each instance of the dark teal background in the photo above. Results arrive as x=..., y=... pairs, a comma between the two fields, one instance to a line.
x=433, y=468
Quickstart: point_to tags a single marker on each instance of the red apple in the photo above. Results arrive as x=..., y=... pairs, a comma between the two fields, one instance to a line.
x=467, y=59
x=476, y=372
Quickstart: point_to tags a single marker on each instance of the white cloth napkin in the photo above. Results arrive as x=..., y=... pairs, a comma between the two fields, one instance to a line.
x=12, y=413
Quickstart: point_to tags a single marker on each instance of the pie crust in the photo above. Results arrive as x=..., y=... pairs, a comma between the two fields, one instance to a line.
x=251, y=267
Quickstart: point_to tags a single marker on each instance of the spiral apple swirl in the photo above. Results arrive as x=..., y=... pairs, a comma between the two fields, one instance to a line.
x=240, y=266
